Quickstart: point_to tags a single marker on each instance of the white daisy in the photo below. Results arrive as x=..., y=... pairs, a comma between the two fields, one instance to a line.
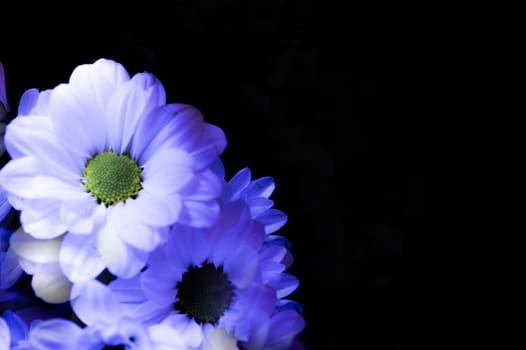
x=104, y=156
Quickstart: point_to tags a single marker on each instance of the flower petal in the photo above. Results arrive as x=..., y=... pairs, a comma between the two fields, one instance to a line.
x=43, y=145
x=50, y=334
x=176, y=332
x=50, y=284
x=40, y=218
x=120, y=258
x=153, y=209
x=35, y=250
x=10, y=270
x=131, y=101
x=93, y=302
x=167, y=171
x=79, y=258
x=273, y=220
x=242, y=267
x=5, y=335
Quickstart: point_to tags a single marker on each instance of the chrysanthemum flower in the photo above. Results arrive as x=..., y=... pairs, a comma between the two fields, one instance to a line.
x=211, y=276
x=104, y=160
x=223, y=279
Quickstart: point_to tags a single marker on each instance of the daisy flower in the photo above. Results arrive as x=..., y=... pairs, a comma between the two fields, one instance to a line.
x=224, y=279
x=105, y=161
x=209, y=276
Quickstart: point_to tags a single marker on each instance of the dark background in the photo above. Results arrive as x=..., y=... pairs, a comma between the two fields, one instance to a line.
x=305, y=94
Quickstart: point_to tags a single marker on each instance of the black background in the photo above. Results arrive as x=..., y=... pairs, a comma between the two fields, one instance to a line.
x=304, y=94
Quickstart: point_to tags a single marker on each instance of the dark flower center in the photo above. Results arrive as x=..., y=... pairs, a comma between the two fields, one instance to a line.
x=204, y=293
x=114, y=347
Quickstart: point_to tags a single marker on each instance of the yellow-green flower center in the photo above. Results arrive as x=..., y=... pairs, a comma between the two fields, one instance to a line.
x=112, y=177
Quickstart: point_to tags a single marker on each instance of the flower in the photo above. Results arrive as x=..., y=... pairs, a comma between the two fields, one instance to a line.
x=227, y=279
x=115, y=206
x=104, y=161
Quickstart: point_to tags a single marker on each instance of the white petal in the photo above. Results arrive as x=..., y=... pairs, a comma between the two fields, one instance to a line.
x=152, y=209
x=176, y=332
x=50, y=284
x=78, y=122
x=34, y=136
x=26, y=177
x=93, y=302
x=81, y=216
x=97, y=82
x=121, y=259
x=167, y=171
x=40, y=218
x=217, y=338
x=50, y=334
x=140, y=236
x=35, y=250
x=132, y=101
x=165, y=126
x=79, y=258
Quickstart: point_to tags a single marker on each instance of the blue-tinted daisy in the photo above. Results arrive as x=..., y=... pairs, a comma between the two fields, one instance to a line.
x=103, y=158
x=224, y=279
x=210, y=276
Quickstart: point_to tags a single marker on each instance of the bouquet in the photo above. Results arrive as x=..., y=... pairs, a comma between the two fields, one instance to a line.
x=120, y=229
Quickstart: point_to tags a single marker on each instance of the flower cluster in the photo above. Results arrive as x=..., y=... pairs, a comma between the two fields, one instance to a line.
x=120, y=230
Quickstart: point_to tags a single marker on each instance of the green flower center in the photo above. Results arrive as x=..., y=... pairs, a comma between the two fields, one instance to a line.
x=204, y=293
x=112, y=177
